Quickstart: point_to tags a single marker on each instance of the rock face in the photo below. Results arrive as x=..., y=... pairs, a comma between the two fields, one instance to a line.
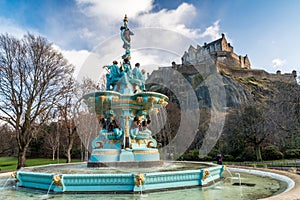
x=194, y=82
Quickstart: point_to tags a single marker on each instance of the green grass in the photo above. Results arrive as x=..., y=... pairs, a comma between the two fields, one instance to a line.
x=271, y=163
x=10, y=163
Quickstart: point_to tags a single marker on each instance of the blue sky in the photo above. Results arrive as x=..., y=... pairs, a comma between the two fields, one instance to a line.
x=266, y=30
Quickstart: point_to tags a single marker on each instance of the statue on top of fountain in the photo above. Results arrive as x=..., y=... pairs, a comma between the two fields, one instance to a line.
x=122, y=78
x=125, y=36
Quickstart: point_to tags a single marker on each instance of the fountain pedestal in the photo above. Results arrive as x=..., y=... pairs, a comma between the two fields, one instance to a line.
x=124, y=137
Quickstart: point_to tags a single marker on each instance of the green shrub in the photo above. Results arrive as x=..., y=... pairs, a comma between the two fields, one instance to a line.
x=246, y=154
x=207, y=158
x=271, y=153
x=223, y=73
x=227, y=157
x=292, y=153
x=192, y=155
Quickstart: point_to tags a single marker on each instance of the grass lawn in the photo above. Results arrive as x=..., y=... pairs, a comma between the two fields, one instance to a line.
x=10, y=163
x=271, y=163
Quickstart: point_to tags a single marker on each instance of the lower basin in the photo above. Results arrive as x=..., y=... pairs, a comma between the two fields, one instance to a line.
x=254, y=184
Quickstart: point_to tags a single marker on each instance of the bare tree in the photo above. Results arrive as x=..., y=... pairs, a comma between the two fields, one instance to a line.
x=285, y=112
x=67, y=118
x=254, y=128
x=65, y=108
x=52, y=138
x=8, y=141
x=87, y=125
x=32, y=80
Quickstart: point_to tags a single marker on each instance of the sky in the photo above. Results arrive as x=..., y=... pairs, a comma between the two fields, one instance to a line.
x=87, y=31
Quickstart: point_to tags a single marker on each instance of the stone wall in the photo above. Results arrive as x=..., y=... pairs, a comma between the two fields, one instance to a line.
x=257, y=73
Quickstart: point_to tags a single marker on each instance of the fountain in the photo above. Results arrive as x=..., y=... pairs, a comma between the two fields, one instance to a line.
x=125, y=142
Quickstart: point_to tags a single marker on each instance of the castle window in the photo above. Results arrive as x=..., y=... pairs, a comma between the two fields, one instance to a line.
x=218, y=47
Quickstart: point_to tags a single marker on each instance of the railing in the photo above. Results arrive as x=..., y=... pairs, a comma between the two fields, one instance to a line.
x=279, y=165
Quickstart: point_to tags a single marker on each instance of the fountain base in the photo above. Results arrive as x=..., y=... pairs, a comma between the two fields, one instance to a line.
x=142, y=157
x=119, y=182
x=133, y=164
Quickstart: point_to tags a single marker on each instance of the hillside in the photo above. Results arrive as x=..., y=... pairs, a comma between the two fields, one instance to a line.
x=232, y=99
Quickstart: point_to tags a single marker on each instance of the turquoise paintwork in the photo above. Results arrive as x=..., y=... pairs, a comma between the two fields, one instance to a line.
x=119, y=182
x=127, y=134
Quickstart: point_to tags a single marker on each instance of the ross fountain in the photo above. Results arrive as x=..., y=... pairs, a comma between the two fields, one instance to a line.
x=125, y=140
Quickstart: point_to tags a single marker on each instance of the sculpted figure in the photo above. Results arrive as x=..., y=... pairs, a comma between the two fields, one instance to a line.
x=111, y=124
x=113, y=76
x=139, y=77
x=125, y=36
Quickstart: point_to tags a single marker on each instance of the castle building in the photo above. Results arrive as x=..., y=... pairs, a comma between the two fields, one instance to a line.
x=220, y=51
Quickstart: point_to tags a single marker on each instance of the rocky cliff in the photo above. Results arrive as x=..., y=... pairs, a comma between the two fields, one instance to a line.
x=219, y=95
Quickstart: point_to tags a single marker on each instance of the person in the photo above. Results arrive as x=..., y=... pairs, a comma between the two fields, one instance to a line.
x=219, y=159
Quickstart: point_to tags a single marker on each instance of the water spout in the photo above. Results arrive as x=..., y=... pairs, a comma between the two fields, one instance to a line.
x=50, y=187
x=239, y=177
x=229, y=172
x=5, y=183
x=212, y=179
x=141, y=189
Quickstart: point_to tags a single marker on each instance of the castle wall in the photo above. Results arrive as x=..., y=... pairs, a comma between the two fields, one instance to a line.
x=205, y=68
x=256, y=73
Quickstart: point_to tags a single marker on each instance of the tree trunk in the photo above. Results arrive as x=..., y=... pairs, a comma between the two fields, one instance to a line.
x=257, y=152
x=81, y=153
x=53, y=154
x=22, y=157
x=86, y=154
x=70, y=146
x=57, y=154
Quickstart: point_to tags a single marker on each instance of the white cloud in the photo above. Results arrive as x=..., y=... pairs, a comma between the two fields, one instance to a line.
x=213, y=32
x=277, y=62
x=107, y=14
x=10, y=27
x=75, y=57
x=175, y=20
x=114, y=10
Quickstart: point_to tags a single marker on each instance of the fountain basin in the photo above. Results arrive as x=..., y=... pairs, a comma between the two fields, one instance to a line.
x=105, y=100
x=123, y=182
